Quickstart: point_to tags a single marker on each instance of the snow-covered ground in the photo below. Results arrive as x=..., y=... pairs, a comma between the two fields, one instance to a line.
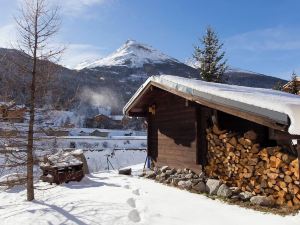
x=110, y=132
x=98, y=143
x=112, y=199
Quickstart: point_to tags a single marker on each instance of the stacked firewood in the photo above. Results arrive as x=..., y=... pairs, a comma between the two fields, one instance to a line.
x=240, y=162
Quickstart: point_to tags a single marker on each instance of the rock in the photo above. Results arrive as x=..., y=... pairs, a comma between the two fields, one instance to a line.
x=150, y=175
x=161, y=180
x=157, y=177
x=235, y=190
x=235, y=197
x=170, y=172
x=164, y=169
x=246, y=195
x=188, y=184
x=143, y=174
x=175, y=181
x=212, y=186
x=181, y=184
x=263, y=201
x=182, y=176
x=185, y=184
x=179, y=171
x=201, y=175
x=196, y=181
x=126, y=171
x=167, y=181
x=163, y=175
x=224, y=191
x=186, y=170
x=157, y=170
x=199, y=187
x=189, y=176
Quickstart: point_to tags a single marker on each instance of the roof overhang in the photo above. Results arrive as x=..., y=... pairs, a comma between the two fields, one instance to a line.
x=272, y=119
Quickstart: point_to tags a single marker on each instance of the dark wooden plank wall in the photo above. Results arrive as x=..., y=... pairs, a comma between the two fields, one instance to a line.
x=172, y=133
x=204, y=121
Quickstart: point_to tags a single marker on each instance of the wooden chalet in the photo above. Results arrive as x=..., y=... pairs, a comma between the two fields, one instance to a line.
x=103, y=122
x=289, y=85
x=11, y=112
x=179, y=110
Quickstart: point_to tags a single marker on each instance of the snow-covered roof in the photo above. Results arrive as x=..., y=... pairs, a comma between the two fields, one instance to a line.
x=288, y=84
x=62, y=159
x=279, y=106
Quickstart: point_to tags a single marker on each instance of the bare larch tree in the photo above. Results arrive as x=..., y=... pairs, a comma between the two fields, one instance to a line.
x=37, y=24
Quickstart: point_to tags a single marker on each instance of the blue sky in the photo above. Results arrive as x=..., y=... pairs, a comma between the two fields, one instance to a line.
x=260, y=36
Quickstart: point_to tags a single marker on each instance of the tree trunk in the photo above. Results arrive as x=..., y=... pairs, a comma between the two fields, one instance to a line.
x=30, y=188
x=30, y=161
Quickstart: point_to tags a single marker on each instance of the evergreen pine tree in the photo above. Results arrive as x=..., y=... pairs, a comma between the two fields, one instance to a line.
x=212, y=66
x=294, y=88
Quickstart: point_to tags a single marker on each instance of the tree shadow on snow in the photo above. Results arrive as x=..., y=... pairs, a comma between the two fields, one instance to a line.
x=15, y=189
x=60, y=210
x=87, y=182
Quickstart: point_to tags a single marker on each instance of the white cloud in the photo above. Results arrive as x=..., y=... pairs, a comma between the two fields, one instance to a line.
x=278, y=38
x=73, y=55
x=77, y=53
x=7, y=35
x=77, y=7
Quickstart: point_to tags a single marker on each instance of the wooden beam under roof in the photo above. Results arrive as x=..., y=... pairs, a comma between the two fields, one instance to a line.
x=254, y=117
x=230, y=110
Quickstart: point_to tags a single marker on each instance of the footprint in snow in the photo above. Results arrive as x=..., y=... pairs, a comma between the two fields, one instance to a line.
x=131, y=202
x=126, y=186
x=134, y=216
x=136, y=192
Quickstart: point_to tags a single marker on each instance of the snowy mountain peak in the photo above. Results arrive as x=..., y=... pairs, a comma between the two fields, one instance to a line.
x=131, y=54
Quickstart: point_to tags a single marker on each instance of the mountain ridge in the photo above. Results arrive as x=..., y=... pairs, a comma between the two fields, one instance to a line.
x=119, y=75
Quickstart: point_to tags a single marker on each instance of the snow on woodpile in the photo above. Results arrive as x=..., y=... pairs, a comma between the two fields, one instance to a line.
x=258, y=98
x=62, y=159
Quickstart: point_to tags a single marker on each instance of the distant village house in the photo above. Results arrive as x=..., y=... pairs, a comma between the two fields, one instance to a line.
x=10, y=112
x=289, y=86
